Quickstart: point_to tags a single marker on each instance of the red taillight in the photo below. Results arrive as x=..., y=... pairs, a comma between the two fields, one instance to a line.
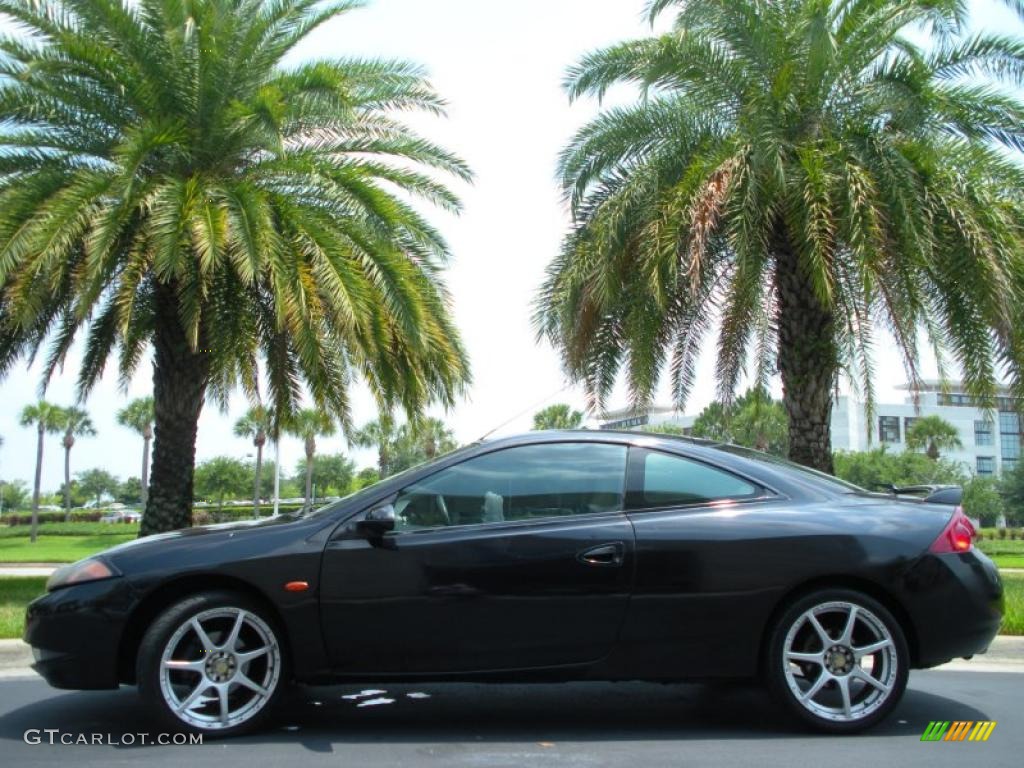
x=957, y=536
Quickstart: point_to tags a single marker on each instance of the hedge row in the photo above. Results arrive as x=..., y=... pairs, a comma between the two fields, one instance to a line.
x=200, y=516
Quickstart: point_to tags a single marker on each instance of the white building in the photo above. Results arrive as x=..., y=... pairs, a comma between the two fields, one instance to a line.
x=991, y=440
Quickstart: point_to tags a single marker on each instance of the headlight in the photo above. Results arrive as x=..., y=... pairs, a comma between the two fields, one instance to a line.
x=90, y=569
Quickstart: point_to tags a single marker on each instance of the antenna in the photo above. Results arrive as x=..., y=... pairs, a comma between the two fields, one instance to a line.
x=525, y=410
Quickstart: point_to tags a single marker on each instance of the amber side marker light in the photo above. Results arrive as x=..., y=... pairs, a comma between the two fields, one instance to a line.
x=296, y=586
x=957, y=536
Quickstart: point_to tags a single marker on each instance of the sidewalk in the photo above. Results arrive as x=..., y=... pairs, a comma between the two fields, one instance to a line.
x=28, y=569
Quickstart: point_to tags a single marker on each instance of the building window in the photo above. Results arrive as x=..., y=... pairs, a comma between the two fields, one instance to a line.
x=1009, y=465
x=1010, y=445
x=983, y=432
x=1009, y=423
x=636, y=421
x=986, y=465
x=889, y=429
x=1009, y=437
x=908, y=422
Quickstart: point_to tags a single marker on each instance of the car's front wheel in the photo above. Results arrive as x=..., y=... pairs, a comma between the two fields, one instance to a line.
x=838, y=660
x=213, y=664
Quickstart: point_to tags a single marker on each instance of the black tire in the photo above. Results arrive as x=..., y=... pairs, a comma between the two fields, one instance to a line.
x=826, y=710
x=218, y=611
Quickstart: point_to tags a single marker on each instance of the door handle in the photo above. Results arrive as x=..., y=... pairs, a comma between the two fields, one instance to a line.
x=603, y=555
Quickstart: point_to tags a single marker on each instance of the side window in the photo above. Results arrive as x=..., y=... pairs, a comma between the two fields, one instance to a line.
x=524, y=483
x=672, y=481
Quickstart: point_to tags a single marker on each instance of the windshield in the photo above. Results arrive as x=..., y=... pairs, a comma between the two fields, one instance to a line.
x=371, y=490
x=831, y=482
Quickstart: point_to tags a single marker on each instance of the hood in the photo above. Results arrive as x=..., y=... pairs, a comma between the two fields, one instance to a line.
x=230, y=529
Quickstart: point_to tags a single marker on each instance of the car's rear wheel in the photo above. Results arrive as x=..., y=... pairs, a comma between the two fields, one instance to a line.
x=838, y=660
x=213, y=664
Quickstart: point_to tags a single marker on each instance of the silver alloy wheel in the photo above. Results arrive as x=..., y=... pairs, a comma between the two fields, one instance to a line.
x=840, y=661
x=220, y=668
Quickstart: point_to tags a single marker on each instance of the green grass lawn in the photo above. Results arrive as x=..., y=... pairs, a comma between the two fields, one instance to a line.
x=1006, y=553
x=56, y=549
x=15, y=593
x=71, y=529
x=1013, y=621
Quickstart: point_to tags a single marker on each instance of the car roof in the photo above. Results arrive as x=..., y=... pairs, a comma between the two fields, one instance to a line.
x=769, y=470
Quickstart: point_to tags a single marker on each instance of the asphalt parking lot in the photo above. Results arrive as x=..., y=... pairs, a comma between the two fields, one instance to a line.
x=586, y=724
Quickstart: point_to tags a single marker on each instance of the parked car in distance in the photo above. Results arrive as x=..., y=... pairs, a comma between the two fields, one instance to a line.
x=552, y=556
x=122, y=516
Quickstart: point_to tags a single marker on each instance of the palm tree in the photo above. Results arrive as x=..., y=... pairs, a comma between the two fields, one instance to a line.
x=558, y=416
x=76, y=423
x=255, y=424
x=166, y=180
x=798, y=174
x=381, y=434
x=432, y=437
x=308, y=424
x=934, y=434
x=138, y=416
x=47, y=419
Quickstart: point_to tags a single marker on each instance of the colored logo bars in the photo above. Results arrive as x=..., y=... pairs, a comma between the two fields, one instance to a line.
x=958, y=730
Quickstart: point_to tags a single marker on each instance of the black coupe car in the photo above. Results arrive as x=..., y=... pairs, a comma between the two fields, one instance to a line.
x=547, y=557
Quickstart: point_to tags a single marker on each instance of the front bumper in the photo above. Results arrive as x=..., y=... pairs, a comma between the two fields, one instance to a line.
x=956, y=604
x=75, y=633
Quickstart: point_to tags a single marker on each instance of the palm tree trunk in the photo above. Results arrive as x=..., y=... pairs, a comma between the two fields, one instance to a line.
x=146, y=438
x=310, y=450
x=807, y=358
x=179, y=387
x=35, y=490
x=256, y=488
x=67, y=481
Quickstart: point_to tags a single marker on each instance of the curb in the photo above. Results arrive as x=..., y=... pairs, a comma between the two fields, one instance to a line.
x=15, y=657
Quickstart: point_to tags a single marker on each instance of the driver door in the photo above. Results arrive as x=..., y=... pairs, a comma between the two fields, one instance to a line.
x=519, y=558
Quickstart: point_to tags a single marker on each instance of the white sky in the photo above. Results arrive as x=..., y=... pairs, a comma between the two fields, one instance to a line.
x=499, y=64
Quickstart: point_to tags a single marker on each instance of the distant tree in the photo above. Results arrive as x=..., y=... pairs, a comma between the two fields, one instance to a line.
x=933, y=434
x=431, y=436
x=309, y=424
x=713, y=423
x=14, y=493
x=129, y=491
x=97, y=483
x=382, y=435
x=289, y=487
x=256, y=424
x=220, y=477
x=878, y=469
x=78, y=498
x=333, y=473
x=420, y=441
x=754, y=420
x=364, y=478
x=76, y=424
x=664, y=429
x=558, y=416
x=138, y=416
x=982, y=500
x=47, y=419
x=1011, y=488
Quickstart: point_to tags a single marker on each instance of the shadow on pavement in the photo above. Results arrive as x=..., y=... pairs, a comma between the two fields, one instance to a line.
x=319, y=718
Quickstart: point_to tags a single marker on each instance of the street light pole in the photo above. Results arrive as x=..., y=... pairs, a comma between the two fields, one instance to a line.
x=277, y=474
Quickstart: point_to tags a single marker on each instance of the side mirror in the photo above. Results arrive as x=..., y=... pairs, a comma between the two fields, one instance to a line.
x=377, y=521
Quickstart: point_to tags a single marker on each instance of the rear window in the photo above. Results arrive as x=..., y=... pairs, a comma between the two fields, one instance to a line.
x=673, y=481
